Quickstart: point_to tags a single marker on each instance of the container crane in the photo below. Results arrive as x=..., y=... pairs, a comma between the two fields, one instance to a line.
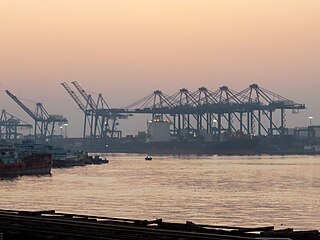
x=104, y=118
x=44, y=122
x=9, y=125
x=92, y=108
x=87, y=114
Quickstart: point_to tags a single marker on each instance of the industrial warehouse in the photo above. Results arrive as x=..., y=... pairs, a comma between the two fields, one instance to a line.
x=251, y=121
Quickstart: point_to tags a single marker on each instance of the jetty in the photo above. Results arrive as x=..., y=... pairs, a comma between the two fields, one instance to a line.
x=55, y=225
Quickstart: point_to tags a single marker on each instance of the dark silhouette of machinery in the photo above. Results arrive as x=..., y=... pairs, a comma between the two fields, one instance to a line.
x=253, y=111
x=9, y=126
x=45, y=123
x=100, y=121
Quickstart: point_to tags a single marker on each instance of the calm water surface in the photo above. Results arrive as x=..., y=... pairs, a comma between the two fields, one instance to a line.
x=237, y=191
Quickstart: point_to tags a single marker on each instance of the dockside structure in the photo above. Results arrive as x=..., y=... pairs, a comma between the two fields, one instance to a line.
x=254, y=111
x=53, y=225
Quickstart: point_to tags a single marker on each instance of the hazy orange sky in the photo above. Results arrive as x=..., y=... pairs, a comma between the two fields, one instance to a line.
x=127, y=49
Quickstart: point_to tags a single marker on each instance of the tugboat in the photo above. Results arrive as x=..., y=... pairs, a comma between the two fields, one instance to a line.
x=14, y=164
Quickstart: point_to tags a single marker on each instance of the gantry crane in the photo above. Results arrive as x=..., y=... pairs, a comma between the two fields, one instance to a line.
x=251, y=112
x=92, y=108
x=9, y=126
x=105, y=118
x=44, y=122
x=87, y=114
x=99, y=117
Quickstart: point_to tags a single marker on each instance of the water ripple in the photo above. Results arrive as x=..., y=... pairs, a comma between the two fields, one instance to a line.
x=238, y=191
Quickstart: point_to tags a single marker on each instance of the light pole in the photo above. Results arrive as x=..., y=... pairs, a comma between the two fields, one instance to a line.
x=215, y=125
x=61, y=131
x=310, y=120
x=65, y=130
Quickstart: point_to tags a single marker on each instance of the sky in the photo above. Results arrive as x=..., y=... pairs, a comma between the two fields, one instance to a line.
x=126, y=49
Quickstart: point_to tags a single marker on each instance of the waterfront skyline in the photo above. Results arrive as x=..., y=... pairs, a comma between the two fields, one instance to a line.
x=127, y=49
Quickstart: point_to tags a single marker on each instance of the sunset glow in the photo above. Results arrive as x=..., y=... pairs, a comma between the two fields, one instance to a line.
x=127, y=49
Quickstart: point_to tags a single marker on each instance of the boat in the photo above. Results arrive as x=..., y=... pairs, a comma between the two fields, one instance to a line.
x=14, y=164
x=148, y=158
x=60, y=156
x=95, y=159
x=63, y=158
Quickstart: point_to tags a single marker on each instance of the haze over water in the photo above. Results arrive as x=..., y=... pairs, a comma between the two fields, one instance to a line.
x=239, y=191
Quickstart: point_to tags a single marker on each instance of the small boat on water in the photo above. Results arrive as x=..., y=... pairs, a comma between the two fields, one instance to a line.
x=95, y=159
x=14, y=163
x=148, y=158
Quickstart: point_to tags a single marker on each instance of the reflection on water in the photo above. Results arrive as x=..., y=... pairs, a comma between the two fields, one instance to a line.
x=241, y=191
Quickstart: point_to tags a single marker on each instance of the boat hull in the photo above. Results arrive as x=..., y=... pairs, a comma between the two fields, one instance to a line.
x=35, y=164
x=62, y=163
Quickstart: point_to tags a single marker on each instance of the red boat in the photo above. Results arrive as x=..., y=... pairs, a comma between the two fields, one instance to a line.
x=11, y=164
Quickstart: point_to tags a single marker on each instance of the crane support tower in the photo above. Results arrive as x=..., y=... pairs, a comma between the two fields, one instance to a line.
x=100, y=121
x=254, y=111
x=223, y=113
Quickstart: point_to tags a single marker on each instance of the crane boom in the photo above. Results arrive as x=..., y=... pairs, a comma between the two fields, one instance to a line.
x=24, y=107
x=85, y=95
x=74, y=96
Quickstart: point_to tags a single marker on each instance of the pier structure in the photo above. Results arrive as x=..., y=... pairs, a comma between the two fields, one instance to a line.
x=55, y=225
x=254, y=111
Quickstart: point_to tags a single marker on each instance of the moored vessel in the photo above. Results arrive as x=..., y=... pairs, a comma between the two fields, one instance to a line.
x=62, y=158
x=12, y=164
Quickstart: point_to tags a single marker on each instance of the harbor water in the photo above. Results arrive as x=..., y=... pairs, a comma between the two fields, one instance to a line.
x=282, y=191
